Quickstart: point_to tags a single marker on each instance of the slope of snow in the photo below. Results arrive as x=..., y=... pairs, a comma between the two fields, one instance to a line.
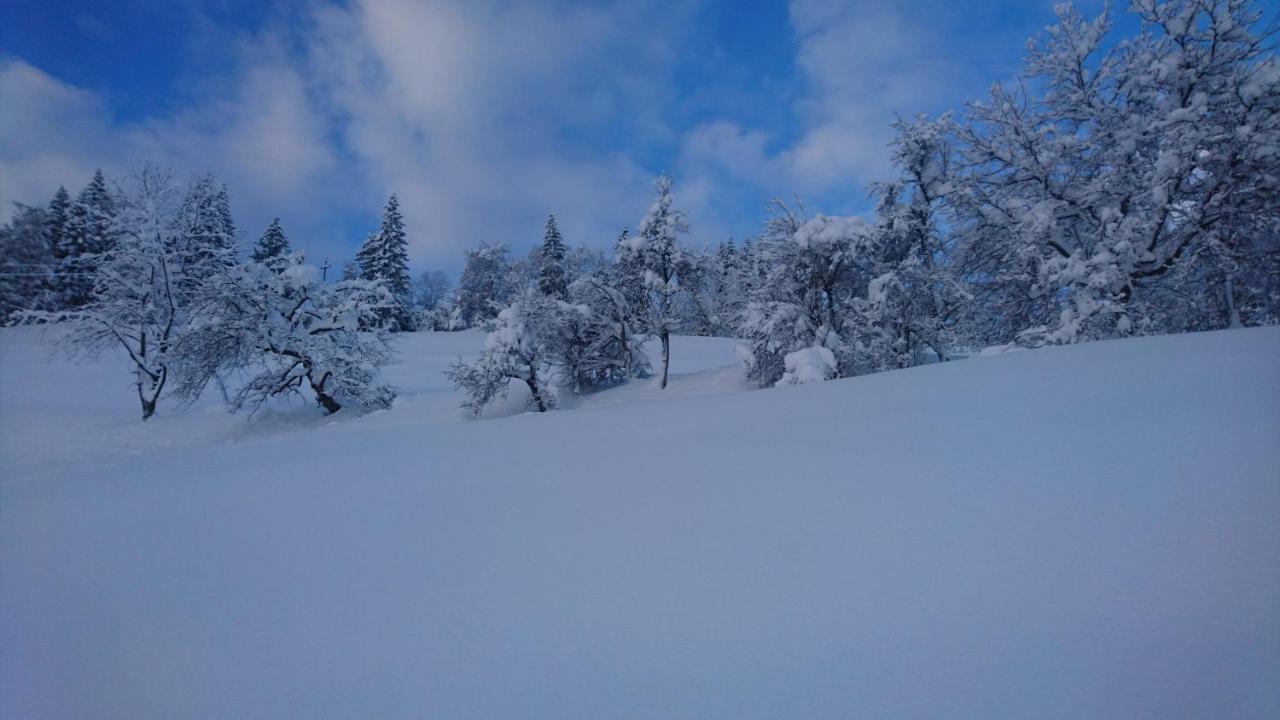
x=1091, y=531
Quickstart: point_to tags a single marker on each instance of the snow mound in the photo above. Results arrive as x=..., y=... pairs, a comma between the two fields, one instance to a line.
x=809, y=365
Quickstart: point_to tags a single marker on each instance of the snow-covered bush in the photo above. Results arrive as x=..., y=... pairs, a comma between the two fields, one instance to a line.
x=810, y=365
x=519, y=347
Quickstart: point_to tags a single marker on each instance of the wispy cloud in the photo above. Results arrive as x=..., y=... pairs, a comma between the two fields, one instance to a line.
x=473, y=112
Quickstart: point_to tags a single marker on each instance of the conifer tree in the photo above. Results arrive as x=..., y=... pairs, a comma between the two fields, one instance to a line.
x=272, y=248
x=483, y=287
x=25, y=263
x=56, y=220
x=89, y=232
x=551, y=270
x=55, y=230
x=205, y=233
x=384, y=258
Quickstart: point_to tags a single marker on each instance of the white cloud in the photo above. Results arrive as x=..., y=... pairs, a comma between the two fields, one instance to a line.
x=49, y=134
x=460, y=107
x=465, y=109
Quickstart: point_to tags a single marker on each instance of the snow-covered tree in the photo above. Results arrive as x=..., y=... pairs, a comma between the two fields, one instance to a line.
x=519, y=347
x=626, y=275
x=90, y=231
x=807, y=298
x=552, y=280
x=614, y=354
x=272, y=249
x=696, y=303
x=55, y=229
x=136, y=304
x=655, y=248
x=728, y=289
x=482, y=288
x=432, y=300
x=293, y=334
x=916, y=295
x=384, y=258
x=205, y=237
x=1134, y=185
x=573, y=344
x=26, y=263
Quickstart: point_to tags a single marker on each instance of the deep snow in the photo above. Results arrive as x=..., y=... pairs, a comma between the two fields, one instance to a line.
x=1090, y=531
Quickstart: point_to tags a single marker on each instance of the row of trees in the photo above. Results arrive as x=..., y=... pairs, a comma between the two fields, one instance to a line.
x=1123, y=187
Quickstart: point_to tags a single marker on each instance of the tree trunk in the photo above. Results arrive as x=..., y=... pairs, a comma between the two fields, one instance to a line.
x=628, y=371
x=537, y=396
x=326, y=401
x=1233, y=312
x=666, y=356
x=155, y=385
x=532, y=382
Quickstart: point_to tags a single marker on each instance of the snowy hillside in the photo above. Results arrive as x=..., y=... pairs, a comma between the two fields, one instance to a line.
x=1080, y=532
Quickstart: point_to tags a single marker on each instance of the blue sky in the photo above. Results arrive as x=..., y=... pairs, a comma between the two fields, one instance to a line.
x=485, y=116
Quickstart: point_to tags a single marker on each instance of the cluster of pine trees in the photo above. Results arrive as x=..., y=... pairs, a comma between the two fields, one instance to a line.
x=154, y=269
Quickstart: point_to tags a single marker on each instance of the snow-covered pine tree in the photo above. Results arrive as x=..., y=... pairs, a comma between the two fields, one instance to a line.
x=627, y=276
x=272, y=249
x=551, y=262
x=55, y=230
x=205, y=232
x=518, y=348
x=727, y=292
x=384, y=258
x=750, y=272
x=89, y=232
x=659, y=256
x=482, y=288
x=26, y=263
x=696, y=301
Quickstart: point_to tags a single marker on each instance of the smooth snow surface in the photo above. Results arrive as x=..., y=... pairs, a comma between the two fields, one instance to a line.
x=1080, y=532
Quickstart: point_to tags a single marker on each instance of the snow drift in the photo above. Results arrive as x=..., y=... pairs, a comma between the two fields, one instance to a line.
x=1087, y=531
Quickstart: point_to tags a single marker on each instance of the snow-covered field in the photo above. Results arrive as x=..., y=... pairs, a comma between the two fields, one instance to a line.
x=1081, y=532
